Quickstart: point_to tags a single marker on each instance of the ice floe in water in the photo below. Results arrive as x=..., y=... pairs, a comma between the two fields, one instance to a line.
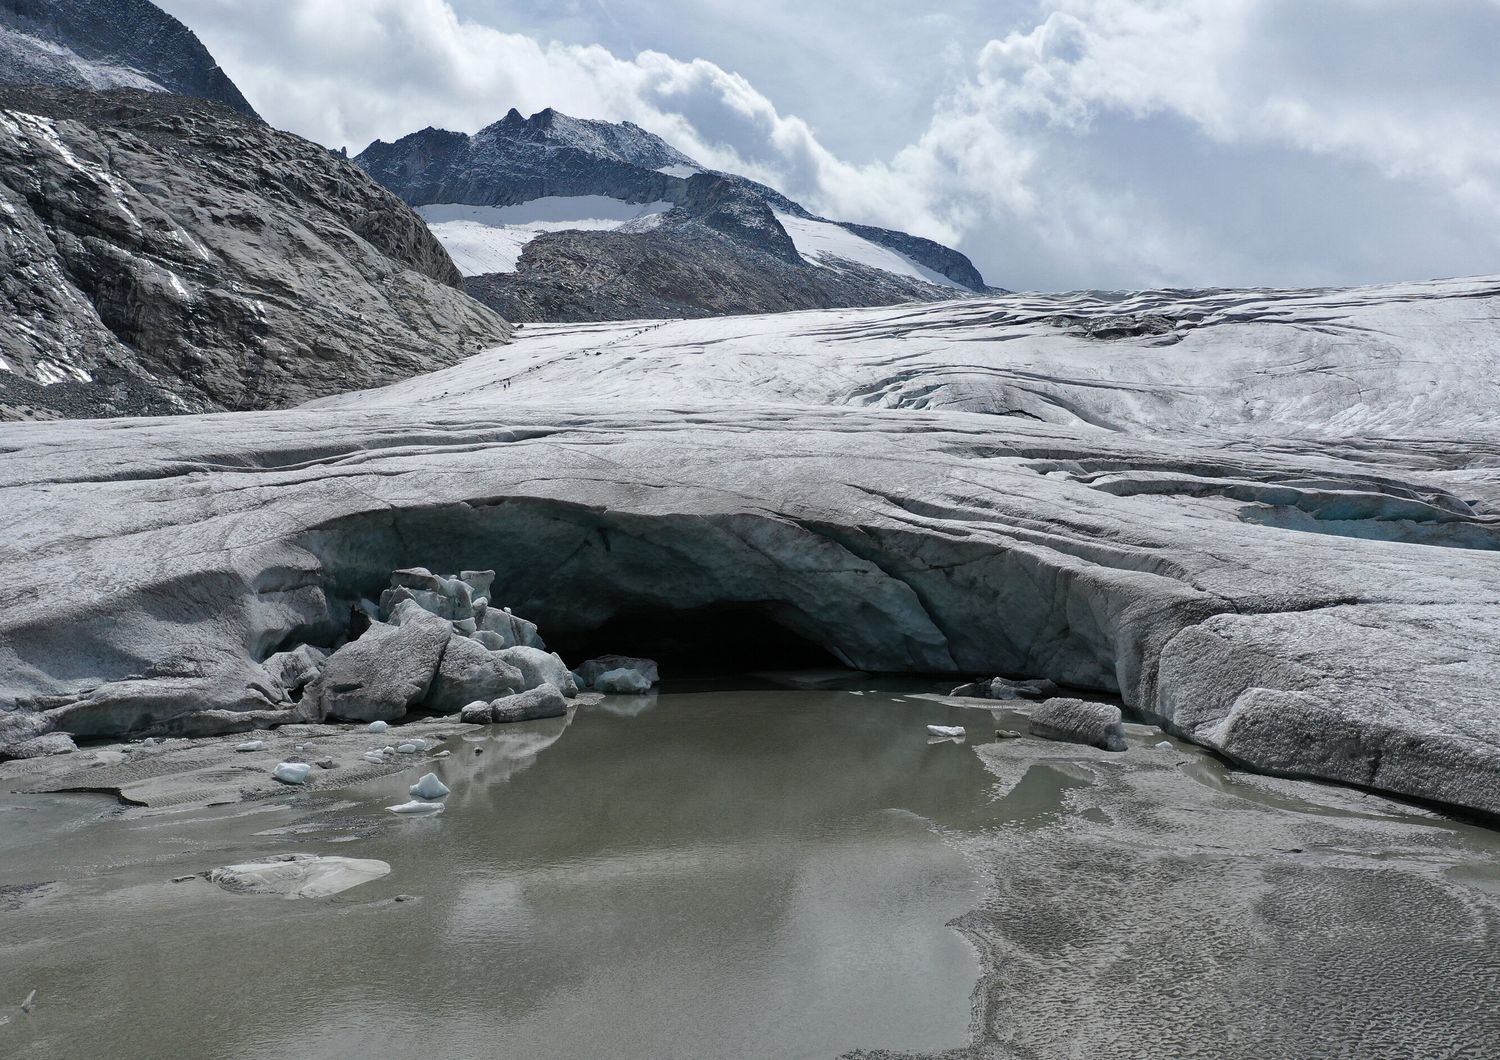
x=298, y=875
x=429, y=788
x=416, y=807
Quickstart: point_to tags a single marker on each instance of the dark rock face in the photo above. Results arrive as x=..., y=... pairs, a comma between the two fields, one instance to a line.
x=108, y=44
x=161, y=254
x=683, y=269
x=721, y=249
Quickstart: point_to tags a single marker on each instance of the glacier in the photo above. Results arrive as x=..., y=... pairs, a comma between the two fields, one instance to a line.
x=1266, y=520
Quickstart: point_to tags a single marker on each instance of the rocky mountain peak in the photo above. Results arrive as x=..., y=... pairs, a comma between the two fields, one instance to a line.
x=563, y=218
x=550, y=129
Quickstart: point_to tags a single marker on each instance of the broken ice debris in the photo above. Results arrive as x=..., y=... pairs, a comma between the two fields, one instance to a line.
x=291, y=772
x=298, y=875
x=429, y=787
x=416, y=807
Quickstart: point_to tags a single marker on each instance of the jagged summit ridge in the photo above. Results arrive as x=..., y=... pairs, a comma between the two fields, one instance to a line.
x=713, y=242
x=552, y=130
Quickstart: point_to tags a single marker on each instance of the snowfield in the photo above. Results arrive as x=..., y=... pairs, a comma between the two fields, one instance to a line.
x=826, y=244
x=478, y=248
x=486, y=239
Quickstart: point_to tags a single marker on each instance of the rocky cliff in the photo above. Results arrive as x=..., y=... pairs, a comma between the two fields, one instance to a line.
x=713, y=243
x=102, y=44
x=164, y=254
x=680, y=269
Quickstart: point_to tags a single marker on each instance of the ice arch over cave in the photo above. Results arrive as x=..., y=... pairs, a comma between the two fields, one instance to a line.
x=719, y=588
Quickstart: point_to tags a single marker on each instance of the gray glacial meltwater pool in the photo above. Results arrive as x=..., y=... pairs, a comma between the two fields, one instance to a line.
x=694, y=875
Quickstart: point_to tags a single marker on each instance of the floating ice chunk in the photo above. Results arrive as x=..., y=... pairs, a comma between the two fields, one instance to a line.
x=946, y=730
x=416, y=807
x=622, y=681
x=407, y=748
x=378, y=726
x=1076, y=721
x=596, y=672
x=253, y=745
x=291, y=772
x=298, y=875
x=429, y=787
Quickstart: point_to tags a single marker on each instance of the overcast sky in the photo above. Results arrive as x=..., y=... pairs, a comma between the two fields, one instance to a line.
x=1059, y=143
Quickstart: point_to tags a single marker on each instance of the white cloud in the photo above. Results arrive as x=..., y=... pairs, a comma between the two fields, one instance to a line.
x=1331, y=140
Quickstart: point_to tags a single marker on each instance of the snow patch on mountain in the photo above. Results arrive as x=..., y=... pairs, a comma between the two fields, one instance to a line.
x=30, y=58
x=478, y=249
x=553, y=213
x=824, y=243
x=679, y=171
x=489, y=239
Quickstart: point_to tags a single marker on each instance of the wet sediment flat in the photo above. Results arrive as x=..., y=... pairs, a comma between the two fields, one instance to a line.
x=1175, y=908
x=790, y=874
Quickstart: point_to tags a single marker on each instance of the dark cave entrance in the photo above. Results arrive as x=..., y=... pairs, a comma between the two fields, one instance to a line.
x=704, y=642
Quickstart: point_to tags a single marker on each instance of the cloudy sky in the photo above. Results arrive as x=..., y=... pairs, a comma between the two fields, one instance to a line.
x=1059, y=143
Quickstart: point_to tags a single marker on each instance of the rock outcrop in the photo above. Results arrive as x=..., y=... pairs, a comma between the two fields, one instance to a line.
x=700, y=243
x=680, y=268
x=164, y=255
